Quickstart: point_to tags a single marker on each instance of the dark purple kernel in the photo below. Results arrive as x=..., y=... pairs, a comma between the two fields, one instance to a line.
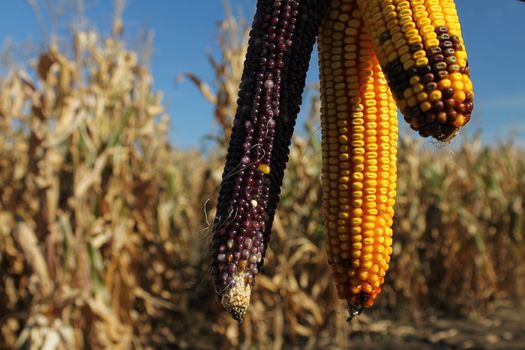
x=448, y=93
x=412, y=71
x=384, y=37
x=424, y=70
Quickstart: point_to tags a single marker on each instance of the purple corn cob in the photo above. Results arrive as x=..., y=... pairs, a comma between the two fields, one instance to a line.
x=281, y=40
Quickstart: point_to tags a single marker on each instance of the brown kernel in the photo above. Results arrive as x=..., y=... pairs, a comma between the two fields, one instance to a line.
x=431, y=87
x=451, y=59
x=439, y=106
x=440, y=66
x=434, y=50
x=415, y=112
x=424, y=131
x=436, y=58
x=451, y=114
x=441, y=117
x=449, y=103
x=442, y=74
x=429, y=116
x=449, y=51
x=446, y=44
x=427, y=78
x=416, y=47
x=443, y=37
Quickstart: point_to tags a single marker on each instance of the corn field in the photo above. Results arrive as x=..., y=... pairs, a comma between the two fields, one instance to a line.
x=105, y=227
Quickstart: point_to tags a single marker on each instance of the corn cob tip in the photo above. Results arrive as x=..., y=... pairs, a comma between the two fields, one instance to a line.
x=353, y=311
x=447, y=135
x=356, y=307
x=237, y=298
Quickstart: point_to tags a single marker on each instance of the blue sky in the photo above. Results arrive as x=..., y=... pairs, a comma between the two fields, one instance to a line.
x=184, y=31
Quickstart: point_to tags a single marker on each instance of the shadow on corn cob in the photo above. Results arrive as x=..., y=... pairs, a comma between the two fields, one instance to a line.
x=418, y=46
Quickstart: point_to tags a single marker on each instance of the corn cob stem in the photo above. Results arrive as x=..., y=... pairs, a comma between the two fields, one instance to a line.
x=281, y=40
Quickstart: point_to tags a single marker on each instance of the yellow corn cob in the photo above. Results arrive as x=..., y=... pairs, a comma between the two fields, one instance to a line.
x=421, y=51
x=359, y=131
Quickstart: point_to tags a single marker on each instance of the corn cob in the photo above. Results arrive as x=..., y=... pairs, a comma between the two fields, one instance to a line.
x=421, y=50
x=282, y=36
x=359, y=132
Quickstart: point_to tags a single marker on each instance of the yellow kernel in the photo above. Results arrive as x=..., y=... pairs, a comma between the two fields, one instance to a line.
x=458, y=85
x=456, y=76
x=419, y=54
x=432, y=42
x=435, y=96
x=367, y=265
x=367, y=288
x=414, y=80
x=459, y=96
x=444, y=84
x=363, y=276
x=368, y=257
x=412, y=101
x=422, y=96
x=422, y=62
x=425, y=106
x=458, y=122
x=265, y=168
x=418, y=88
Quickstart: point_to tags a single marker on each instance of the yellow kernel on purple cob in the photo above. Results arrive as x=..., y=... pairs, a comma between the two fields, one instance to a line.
x=359, y=132
x=265, y=168
x=419, y=45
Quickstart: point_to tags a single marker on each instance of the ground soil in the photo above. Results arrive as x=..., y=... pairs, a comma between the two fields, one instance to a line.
x=502, y=328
